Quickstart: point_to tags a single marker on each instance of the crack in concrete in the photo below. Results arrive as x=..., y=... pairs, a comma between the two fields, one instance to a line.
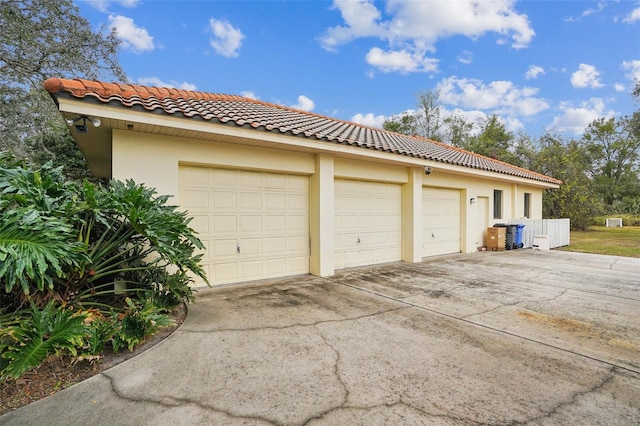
x=556, y=297
x=173, y=402
x=284, y=327
x=336, y=371
x=571, y=401
x=368, y=408
x=492, y=309
x=443, y=416
x=517, y=303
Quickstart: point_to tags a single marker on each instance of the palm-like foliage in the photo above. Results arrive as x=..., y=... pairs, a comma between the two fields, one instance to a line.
x=63, y=245
x=35, y=250
x=37, y=334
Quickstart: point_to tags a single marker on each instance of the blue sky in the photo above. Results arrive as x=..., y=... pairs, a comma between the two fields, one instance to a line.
x=540, y=65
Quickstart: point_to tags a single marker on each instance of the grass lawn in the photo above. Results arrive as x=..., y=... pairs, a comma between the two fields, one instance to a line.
x=600, y=240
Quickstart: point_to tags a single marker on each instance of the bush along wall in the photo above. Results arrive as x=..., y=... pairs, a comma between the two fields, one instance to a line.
x=86, y=267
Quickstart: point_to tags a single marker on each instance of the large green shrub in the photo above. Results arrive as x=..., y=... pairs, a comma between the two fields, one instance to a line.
x=65, y=245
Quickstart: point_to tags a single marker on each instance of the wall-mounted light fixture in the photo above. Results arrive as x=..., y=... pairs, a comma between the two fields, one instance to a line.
x=80, y=123
x=472, y=200
x=427, y=170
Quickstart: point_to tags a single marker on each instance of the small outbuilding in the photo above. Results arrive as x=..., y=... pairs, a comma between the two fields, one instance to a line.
x=275, y=191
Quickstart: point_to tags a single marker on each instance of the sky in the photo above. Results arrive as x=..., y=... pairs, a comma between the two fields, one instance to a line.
x=542, y=66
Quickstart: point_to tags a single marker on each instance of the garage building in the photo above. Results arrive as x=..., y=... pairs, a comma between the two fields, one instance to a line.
x=276, y=191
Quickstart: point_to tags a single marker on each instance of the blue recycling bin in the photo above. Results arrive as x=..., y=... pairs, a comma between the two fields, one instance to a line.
x=517, y=240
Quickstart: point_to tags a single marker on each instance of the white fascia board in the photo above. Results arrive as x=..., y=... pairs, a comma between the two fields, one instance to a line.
x=267, y=138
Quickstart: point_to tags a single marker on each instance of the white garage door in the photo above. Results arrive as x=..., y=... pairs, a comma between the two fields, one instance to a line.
x=440, y=221
x=368, y=223
x=254, y=225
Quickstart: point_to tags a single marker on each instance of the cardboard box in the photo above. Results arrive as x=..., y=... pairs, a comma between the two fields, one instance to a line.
x=496, y=239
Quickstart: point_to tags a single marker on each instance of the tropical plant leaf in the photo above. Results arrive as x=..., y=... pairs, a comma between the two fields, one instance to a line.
x=35, y=249
x=40, y=333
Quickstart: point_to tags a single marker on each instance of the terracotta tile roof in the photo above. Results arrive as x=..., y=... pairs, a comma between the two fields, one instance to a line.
x=257, y=114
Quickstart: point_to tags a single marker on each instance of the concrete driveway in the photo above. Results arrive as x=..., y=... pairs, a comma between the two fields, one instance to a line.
x=520, y=337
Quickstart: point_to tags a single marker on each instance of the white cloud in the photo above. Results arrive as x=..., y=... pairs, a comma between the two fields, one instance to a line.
x=249, y=94
x=157, y=82
x=632, y=17
x=304, y=103
x=533, y=72
x=414, y=27
x=576, y=117
x=500, y=97
x=591, y=11
x=465, y=57
x=134, y=38
x=103, y=5
x=618, y=87
x=227, y=39
x=369, y=120
x=586, y=76
x=400, y=61
x=633, y=70
x=588, y=12
x=361, y=17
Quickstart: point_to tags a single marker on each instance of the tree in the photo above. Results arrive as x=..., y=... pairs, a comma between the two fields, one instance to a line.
x=458, y=131
x=614, y=150
x=425, y=121
x=494, y=140
x=41, y=39
x=405, y=124
x=575, y=198
x=429, y=114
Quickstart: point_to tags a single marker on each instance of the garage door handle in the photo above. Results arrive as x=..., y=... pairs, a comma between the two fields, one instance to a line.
x=238, y=248
x=358, y=239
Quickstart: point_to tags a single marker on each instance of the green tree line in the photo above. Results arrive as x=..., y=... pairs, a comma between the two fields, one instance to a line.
x=600, y=170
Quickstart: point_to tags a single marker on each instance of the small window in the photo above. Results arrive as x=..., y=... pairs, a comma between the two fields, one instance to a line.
x=527, y=205
x=497, y=204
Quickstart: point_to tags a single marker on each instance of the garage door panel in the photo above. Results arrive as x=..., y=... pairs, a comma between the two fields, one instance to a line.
x=250, y=201
x=219, y=177
x=367, y=222
x=222, y=200
x=221, y=225
x=265, y=214
x=200, y=222
x=297, y=223
x=249, y=180
x=297, y=202
x=441, y=221
x=194, y=176
x=297, y=245
x=251, y=246
x=276, y=202
x=223, y=271
x=297, y=263
x=222, y=248
x=251, y=270
x=277, y=224
x=276, y=266
x=195, y=200
x=249, y=224
x=273, y=181
x=277, y=245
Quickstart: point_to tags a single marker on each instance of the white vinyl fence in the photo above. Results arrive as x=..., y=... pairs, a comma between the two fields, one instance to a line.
x=556, y=229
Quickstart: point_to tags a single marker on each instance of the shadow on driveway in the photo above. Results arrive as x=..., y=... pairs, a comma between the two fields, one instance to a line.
x=521, y=337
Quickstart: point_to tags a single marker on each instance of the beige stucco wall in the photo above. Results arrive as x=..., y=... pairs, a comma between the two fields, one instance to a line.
x=155, y=161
